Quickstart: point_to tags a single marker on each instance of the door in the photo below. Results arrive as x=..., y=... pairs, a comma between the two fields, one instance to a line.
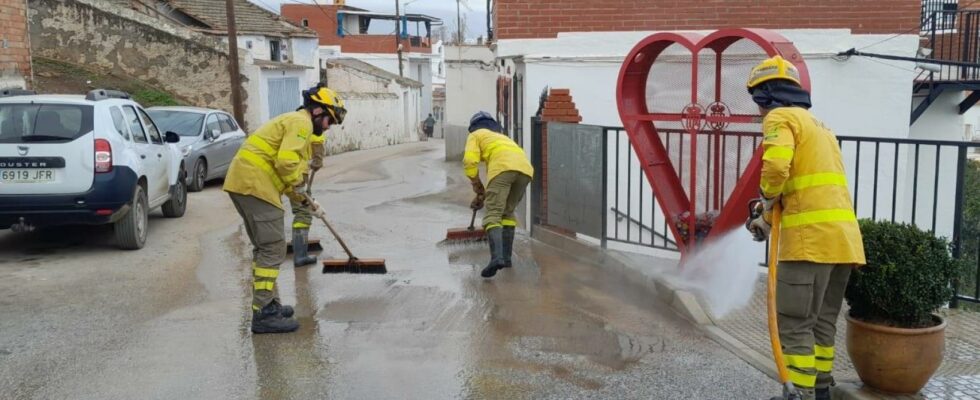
x=149, y=164
x=284, y=96
x=231, y=138
x=213, y=149
x=160, y=154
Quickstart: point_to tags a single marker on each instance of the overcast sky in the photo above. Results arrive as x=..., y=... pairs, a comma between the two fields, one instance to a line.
x=474, y=11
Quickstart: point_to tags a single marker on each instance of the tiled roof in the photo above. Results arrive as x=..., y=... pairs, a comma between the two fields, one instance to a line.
x=249, y=18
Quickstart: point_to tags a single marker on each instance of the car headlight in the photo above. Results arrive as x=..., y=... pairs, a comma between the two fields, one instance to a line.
x=186, y=150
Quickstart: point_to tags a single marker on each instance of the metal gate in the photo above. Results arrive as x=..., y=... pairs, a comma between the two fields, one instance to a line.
x=576, y=173
x=284, y=96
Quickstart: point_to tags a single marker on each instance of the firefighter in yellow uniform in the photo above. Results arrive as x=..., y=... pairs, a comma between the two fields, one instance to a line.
x=302, y=214
x=508, y=174
x=269, y=164
x=802, y=169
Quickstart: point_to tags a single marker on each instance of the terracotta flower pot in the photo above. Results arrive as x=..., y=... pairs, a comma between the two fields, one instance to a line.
x=895, y=360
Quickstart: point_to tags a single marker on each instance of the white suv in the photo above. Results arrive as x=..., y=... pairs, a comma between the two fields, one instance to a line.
x=94, y=159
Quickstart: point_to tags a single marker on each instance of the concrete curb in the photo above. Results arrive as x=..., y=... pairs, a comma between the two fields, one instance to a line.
x=686, y=304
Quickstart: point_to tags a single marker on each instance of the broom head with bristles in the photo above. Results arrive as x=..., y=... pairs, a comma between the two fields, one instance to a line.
x=466, y=234
x=355, y=266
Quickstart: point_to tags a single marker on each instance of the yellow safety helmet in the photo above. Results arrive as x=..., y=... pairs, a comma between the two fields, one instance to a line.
x=773, y=68
x=322, y=95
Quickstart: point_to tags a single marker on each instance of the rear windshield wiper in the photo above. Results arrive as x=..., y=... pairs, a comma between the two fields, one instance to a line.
x=42, y=138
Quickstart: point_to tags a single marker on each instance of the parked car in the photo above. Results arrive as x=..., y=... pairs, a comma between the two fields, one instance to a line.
x=94, y=159
x=209, y=140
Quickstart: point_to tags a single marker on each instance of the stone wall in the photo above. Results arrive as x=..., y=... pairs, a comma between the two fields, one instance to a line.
x=100, y=36
x=15, y=50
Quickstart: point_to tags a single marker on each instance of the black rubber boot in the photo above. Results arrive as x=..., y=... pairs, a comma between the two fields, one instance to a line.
x=799, y=394
x=284, y=310
x=300, y=253
x=508, y=236
x=822, y=394
x=496, y=238
x=270, y=320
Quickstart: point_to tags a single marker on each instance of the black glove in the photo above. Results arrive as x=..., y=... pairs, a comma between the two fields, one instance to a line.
x=477, y=203
x=478, y=186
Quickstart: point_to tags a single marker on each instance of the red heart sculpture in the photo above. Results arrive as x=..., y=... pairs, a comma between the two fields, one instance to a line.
x=701, y=111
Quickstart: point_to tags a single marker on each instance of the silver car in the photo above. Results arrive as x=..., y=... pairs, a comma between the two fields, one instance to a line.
x=209, y=140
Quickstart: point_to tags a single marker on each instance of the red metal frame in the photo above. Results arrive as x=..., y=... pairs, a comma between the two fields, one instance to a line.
x=654, y=157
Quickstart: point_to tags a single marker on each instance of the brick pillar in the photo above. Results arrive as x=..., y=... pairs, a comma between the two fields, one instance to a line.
x=558, y=107
x=15, y=56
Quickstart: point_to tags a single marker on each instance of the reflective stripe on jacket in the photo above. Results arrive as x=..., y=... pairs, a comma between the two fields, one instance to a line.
x=802, y=163
x=273, y=158
x=498, y=151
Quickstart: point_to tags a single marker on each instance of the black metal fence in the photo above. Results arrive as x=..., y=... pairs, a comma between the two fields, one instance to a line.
x=942, y=12
x=931, y=184
x=952, y=36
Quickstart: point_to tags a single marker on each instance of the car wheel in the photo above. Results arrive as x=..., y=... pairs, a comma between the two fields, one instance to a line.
x=200, y=176
x=175, y=207
x=131, y=229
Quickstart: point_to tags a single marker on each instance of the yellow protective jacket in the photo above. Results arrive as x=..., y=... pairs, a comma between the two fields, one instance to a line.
x=499, y=152
x=273, y=159
x=802, y=163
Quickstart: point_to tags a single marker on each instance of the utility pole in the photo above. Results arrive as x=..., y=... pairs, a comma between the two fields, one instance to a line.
x=398, y=38
x=459, y=26
x=233, y=70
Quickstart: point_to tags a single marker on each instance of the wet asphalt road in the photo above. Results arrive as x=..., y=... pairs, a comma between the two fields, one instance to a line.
x=82, y=320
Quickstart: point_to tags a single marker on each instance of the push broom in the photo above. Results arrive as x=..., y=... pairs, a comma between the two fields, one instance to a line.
x=352, y=265
x=468, y=234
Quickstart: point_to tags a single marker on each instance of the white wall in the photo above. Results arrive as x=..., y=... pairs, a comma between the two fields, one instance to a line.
x=306, y=51
x=421, y=70
x=380, y=112
x=259, y=46
x=878, y=108
x=470, y=87
x=411, y=64
x=374, y=120
x=438, y=50
x=855, y=97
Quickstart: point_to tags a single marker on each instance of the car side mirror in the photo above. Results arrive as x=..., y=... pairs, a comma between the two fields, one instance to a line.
x=215, y=133
x=171, y=137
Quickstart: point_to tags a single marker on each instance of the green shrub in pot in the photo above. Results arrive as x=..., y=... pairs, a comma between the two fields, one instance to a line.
x=907, y=277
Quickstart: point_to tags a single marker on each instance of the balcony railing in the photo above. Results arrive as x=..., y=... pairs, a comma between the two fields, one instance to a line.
x=946, y=10
x=953, y=36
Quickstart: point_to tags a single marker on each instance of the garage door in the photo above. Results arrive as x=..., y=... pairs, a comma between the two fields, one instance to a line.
x=284, y=96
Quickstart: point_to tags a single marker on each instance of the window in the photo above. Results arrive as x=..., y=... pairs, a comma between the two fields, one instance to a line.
x=212, y=125
x=306, y=22
x=275, y=50
x=139, y=135
x=180, y=122
x=119, y=122
x=49, y=123
x=151, y=128
x=227, y=125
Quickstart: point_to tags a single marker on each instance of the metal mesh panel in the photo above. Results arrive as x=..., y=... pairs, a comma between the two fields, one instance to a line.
x=722, y=150
x=669, y=81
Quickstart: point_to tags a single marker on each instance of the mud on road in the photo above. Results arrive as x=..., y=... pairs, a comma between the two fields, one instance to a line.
x=82, y=320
